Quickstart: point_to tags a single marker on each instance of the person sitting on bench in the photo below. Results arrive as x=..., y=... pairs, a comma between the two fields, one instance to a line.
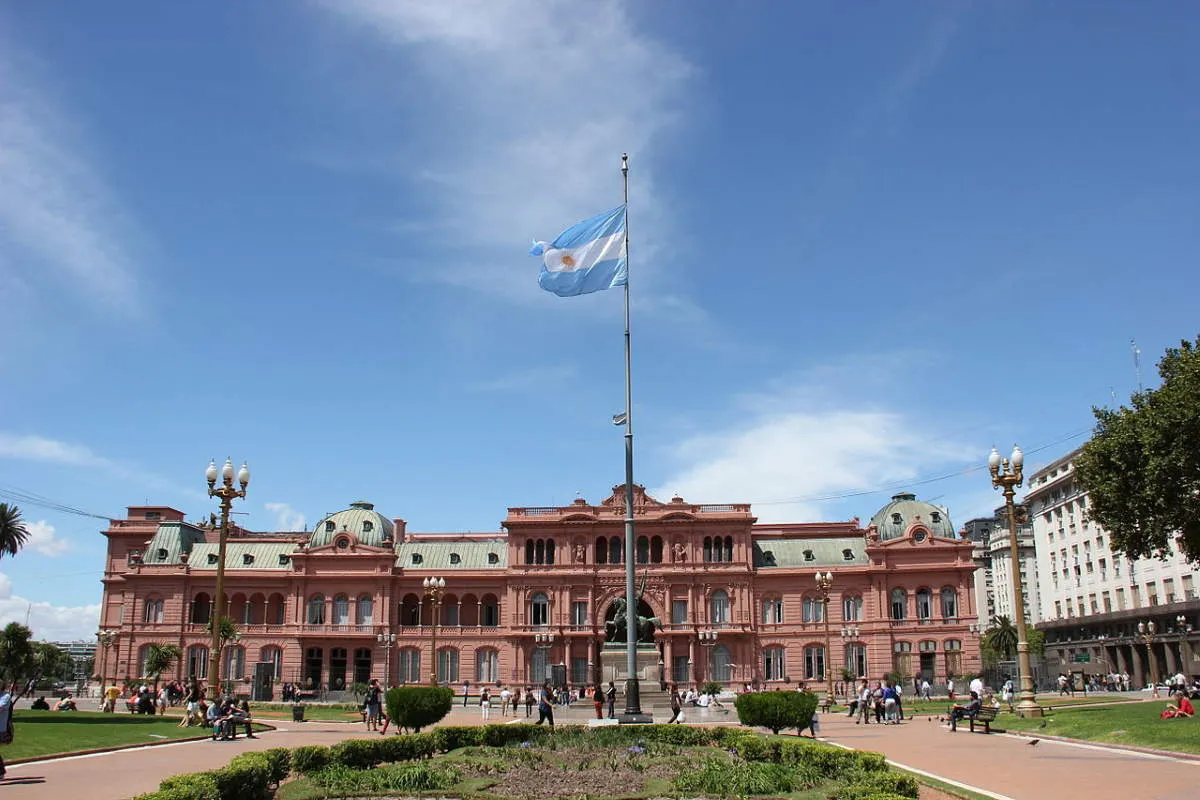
x=967, y=711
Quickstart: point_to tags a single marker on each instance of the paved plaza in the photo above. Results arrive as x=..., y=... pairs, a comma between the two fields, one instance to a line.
x=998, y=765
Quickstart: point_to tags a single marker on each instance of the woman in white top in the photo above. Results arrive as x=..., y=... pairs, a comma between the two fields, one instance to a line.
x=485, y=703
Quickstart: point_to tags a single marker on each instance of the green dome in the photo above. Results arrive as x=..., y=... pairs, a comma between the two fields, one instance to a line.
x=361, y=519
x=893, y=519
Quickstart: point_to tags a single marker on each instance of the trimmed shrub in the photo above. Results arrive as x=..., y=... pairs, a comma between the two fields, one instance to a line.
x=279, y=763
x=721, y=778
x=416, y=707
x=194, y=786
x=871, y=762
x=310, y=758
x=358, y=753
x=828, y=762
x=501, y=735
x=452, y=737
x=410, y=747
x=341, y=781
x=776, y=710
x=868, y=786
x=755, y=748
x=247, y=777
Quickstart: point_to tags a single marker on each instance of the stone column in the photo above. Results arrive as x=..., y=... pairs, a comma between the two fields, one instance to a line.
x=692, y=659
x=668, y=660
x=1138, y=674
x=1172, y=662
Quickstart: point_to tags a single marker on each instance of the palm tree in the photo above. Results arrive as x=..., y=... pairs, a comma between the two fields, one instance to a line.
x=13, y=532
x=1002, y=638
x=159, y=659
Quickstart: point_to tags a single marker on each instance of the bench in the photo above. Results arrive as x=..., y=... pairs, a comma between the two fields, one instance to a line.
x=825, y=705
x=985, y=715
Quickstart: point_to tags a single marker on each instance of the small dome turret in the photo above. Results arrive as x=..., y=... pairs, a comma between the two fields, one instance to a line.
x=894, y=519
x=361, y=519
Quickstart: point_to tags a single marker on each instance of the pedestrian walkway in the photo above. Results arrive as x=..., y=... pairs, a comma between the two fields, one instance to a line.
x=1010, y=767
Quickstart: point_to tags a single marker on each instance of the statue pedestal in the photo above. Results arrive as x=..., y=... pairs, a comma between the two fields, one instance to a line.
x=613, y=666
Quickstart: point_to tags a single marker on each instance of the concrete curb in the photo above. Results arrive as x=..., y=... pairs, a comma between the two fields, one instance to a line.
x=1150, y=751
x=116, y=748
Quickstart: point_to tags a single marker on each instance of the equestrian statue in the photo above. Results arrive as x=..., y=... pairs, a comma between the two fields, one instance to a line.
x=617, y=627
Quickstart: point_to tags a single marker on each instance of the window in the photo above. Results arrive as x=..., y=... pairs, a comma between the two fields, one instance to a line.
x=924, y=604
x=813, y=609
x=284, y=559
x=847, y=554
x=487, y=666
x=273, y=656
x=579, y=669
x=493, y=558
x=491, y=612
x=368, y=526
x=447, y=665
x=718, y=608
x=899, y=601
x=455, y=558
x=366, y=610
x=643, y=550
x=247, y=559
x=316, y=609
x=679, y=612
x=768, y=558
x=579, y=614
x=197, y=661
x=152, y=611
x=410, y=666
x=772, y=611
x=162, y=554
x=233, y=666
x=1189, y=591
x=212, y=558
x=152, y=515
x=927, y=647
x=417, y=558
x=616, y=554
x=539, y=610
x=814, y=663
x=341, y=610
x=720, y=664
x=852, y=607
x=808, y=555
x=201, y=609
x=949, y=603
x=773, y=663
x=329, y=526
x=856, y=659
x=902, y=658
x=896, y=518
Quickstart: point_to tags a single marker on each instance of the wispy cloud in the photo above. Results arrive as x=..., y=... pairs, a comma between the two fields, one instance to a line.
x=59, y=222
x=30, y=447
x=286, y=517
x=43, y=538
x=518, y=111
x=48, y=621
x=530, y=379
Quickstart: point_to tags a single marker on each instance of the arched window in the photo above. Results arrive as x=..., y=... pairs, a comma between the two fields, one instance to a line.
x=410, y=610
x=856, y=659
x=201, y=609
x=341, y=610
x=143, y=658
x=720, y=664
x=774, y=661
x=273, y=655
x=643, y=550
x=814, y=609
x=708, y=549
x=814, y=662
x=152, y=610
x=899, y=601
x=233, y=666
x=601, y=550
x=529, y=551
x=487, y=665
x=615, y=554
x=728, y=549
x=366, y=610
x=924, y=603
x=410, y=666
x=718, y=608
x=362, y=665
x=852, y=606
x=316, y=610
x=949, y=602
x=447, y=665
x=772, y=608
x=197, y=661
x=491, y=611
x=656, y=551
x=539, y=609
x=902, y=658
x=550, y=551
x=450, y=608
x=275, y=609
x=539, y=552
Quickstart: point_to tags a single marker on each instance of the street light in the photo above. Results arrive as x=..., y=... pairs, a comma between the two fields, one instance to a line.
x=107, y=638
x=226, y=494
x=1145, y=632
x=708, y=640
x=434, y=587
x=386, y=641
x=824, y=584
x=1007, y=475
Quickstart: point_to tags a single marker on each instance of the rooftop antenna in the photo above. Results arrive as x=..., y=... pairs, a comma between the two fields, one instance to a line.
x=1137, y=362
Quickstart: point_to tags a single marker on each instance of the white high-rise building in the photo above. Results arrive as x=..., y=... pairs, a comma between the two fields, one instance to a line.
x=1093, y=599
x=993, y=579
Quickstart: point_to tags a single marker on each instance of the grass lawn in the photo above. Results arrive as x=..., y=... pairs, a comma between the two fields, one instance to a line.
x=1133, y=724
x=43, y=733
x=938, y=707
x=283, y=711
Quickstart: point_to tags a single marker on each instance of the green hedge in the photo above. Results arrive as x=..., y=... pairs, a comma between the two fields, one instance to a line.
x=416, y=707
x=248, y=776
x=776, y=710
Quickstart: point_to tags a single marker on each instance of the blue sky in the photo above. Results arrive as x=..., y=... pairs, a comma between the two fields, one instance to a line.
x=868, y=241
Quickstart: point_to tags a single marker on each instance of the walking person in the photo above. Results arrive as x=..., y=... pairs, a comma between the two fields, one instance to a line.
x=546, y=705
x=485, y=703
x=676, y=706
x=373, y=704
x=6, y=729
x=528, y=701
x=516, y=701
x=864, y=705
x=505, y=697
x=598, y=700
x=466, y=692
x=611, y=697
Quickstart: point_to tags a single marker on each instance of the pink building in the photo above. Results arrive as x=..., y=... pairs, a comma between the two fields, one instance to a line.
x=737, y=601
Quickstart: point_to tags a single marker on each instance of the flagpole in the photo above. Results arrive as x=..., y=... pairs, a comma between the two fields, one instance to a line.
x=633, y=701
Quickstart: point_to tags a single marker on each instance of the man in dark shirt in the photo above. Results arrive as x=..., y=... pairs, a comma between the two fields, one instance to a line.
x=965, y=712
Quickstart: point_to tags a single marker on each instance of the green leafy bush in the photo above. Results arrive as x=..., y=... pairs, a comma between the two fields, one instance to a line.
x=866, y=786
x=711, y=687
x=247, y=777
x=826, y=761
x=279, y=763
x=452, y=737
x=310, y=758
x=501, y=735
x=410, y=747
x=340, y=781
x=358, y=753
x=194, y=786
x=722, y=778
x=416, y=707
x=776, y=710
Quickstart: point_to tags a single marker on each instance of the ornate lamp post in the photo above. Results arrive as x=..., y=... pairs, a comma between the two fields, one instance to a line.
x=226, y=494
x=544, y=642
x=1145, y=634
x=849, y=634
x=1007, y=475
x=708, y=640
x=434, y=588
x=824, y=584
x=386, y=641
x=107, y=639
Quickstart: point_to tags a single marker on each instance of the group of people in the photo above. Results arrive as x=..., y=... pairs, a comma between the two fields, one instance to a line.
x=224, y=715
x=883, y=701
x=66, y=703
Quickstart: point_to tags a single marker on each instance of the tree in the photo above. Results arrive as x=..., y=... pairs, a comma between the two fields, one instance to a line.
x=50, y=663
x=416, y=707
x=1141, y=469
x=13, y=533
x=1001, y=638
x=16, y=654
x=159, y=659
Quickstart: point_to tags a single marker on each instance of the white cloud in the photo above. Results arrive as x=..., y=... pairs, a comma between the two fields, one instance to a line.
x=518, y=112
x=44, y=539
x=57, y=216
x=49, y=622
x=286, y=517
x=28, y=447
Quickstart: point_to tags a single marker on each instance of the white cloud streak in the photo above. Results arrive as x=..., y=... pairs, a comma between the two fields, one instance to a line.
x=58, y=219
x=524, y=109
x=29, y=447
x=43, y=538
x=286, y=517
x=48, y=621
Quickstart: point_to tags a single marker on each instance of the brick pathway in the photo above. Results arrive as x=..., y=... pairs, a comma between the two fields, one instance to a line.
x=1004, y=766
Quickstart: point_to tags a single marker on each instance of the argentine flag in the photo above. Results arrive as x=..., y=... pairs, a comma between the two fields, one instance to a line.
x=586, y=257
